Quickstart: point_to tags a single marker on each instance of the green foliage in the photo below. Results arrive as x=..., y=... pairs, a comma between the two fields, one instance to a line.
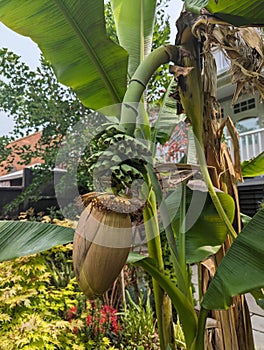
x=247, y=13
x=4, y=151
x=67, y=34
x=253, y=167
x=205, y=231
x=138, y=325
x=32, y=309
x=23, y=238
x=37, y=102
x=161, y=36
x=41, y=306
x=180, y=301
x=110, y=23
x=112, y=81
x=233, y=276
x=179, y=336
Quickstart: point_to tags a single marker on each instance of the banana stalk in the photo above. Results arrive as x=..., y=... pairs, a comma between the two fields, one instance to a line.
x=188, y=74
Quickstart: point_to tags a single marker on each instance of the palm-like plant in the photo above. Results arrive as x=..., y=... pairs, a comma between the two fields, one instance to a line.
x=73, y=38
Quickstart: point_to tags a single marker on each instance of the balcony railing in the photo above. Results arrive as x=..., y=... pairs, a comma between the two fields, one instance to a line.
x=251, y=144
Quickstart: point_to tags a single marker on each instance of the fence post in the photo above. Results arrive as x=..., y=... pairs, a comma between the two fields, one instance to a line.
x=26, y=181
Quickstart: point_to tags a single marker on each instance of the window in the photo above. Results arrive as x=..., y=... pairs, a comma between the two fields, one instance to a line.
x=244, y=106
x=247, y=124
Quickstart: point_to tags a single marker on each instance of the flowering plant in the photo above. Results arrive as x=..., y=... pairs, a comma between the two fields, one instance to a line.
x=98, y=322
x=103, y=320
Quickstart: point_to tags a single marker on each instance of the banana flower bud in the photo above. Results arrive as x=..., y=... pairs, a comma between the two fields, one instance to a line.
x=102, y=242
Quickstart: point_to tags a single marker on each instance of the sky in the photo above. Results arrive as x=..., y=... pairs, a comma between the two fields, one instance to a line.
x=30, y=52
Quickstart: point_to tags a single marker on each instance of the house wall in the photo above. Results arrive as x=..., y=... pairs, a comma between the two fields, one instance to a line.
x=47, y=197
x=251, y=192
x=243, y=108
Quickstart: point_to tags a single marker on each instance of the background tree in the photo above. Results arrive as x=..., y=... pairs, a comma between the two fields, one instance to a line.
x=37, y=102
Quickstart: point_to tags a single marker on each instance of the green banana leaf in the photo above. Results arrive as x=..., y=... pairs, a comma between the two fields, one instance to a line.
x=167, y=118
x=253, y=167
x=238, y=13
x=20, y=238
x=72, y=36
x=245, y=219
x=258, y=294
x=205, y=230
x=195, y=6
x=242, y=269
x=134, y=22
x=183, y=306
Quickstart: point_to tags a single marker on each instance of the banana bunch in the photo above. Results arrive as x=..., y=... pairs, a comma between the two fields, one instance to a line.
x=117, y=159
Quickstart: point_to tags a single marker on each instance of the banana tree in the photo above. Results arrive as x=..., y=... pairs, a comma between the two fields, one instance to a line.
x=73, y=38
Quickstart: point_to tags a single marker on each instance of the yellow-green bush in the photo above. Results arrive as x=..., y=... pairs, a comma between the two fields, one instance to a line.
x=41, y=307
x=34, y=306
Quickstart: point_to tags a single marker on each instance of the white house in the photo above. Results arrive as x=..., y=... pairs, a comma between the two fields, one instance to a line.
x=247, y=112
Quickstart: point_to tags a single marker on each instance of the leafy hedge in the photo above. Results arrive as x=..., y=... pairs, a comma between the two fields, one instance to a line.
x=41, y=307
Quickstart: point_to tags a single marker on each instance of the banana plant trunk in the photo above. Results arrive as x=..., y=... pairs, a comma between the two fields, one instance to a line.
x=232, y=328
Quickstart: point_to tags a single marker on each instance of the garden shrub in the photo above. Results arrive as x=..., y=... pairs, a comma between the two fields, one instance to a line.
x=138, y=325
x=41, y=306
x=32, y=309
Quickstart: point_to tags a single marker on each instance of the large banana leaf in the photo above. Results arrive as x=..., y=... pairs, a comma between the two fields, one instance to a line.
x=134, y=24
x=238, y=13
x=242, y=269
x=181, y=303
x=71, y=34
x=205, y=231
x=20, y=238
x=254, y=166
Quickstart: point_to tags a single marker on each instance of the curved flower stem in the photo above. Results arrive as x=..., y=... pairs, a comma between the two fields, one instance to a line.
x=138, y=84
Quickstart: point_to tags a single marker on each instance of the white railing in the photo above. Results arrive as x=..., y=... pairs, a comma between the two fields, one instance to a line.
x=251, y=143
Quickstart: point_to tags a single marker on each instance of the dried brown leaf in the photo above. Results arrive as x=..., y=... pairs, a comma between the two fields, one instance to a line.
x=179, y=70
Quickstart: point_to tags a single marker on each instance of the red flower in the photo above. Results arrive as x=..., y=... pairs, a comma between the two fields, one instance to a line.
x=89, y=320
x=72, y=313
x=103, y=320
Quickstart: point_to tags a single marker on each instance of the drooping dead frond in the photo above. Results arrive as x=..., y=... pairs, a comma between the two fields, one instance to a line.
x=242, y=46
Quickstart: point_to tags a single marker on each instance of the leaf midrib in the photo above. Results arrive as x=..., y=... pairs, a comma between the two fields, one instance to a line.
x=91, y=53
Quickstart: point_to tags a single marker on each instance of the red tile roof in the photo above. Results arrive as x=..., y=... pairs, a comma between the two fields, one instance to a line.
x=30, y=140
